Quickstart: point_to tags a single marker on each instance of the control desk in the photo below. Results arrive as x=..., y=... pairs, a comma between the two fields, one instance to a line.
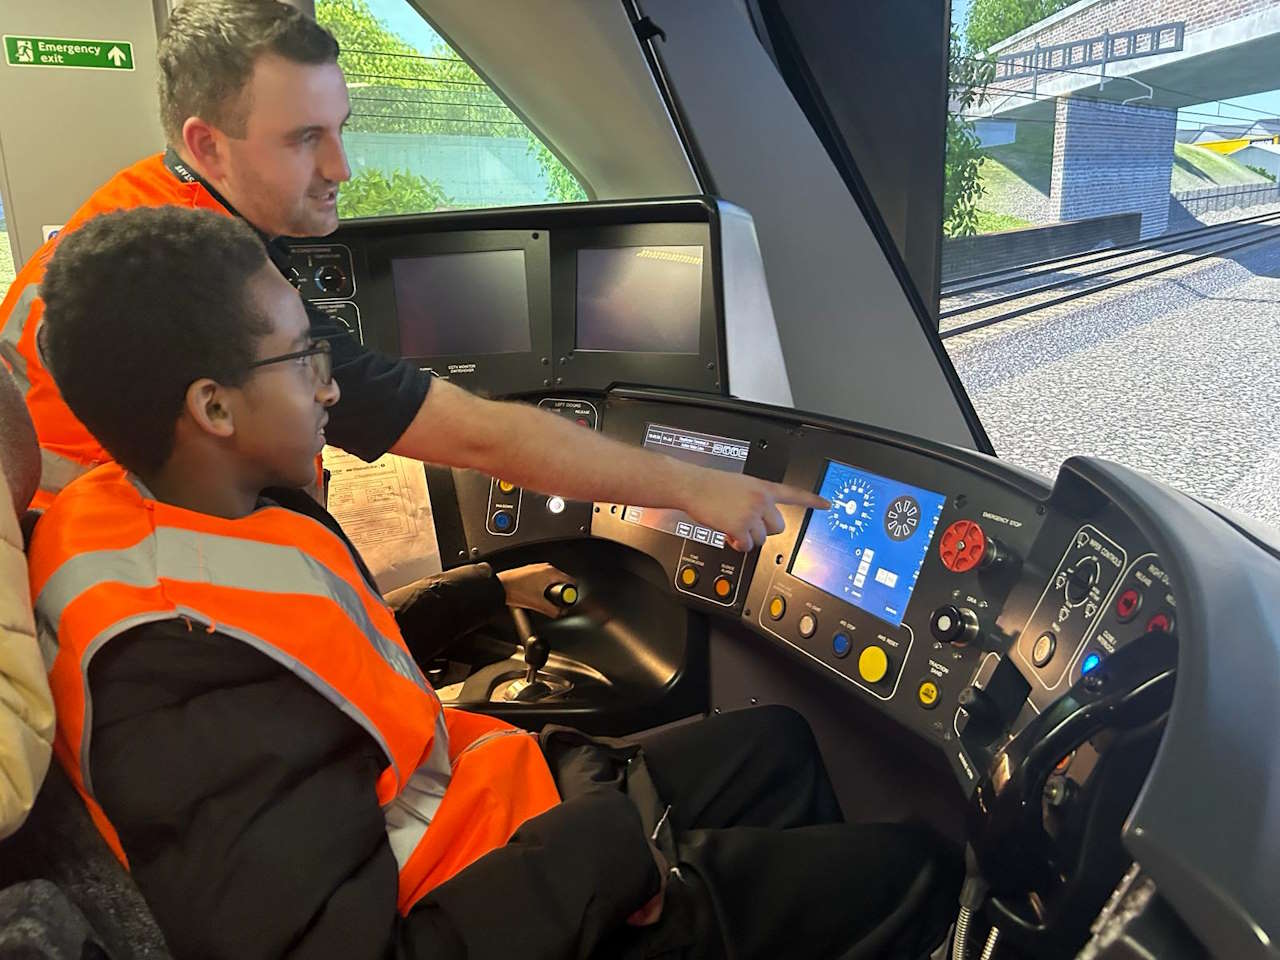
x=954, y=594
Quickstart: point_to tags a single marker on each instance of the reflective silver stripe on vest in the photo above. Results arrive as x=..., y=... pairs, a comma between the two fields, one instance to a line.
x=411, y=812
x=300, y=670
x=409, y=815
x=56, y=471
x=233, y=562
x=11, y=335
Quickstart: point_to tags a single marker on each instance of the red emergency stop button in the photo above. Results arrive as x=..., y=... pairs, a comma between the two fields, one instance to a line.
x=1127, y=605
x=962, y=546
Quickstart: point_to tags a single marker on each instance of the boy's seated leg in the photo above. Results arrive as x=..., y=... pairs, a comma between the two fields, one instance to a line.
x=748, y=768
x=834, y=890
x=847, y=891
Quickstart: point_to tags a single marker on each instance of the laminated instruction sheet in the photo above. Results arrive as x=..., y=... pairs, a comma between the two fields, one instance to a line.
x=385, y=508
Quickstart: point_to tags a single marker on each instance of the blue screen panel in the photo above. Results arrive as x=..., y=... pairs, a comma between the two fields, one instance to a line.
x=867, y=549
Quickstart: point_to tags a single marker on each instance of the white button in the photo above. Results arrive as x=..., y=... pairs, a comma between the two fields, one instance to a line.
x=555, y=504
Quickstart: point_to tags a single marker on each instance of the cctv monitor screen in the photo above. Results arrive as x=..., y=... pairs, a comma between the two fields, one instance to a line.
x=645, y=299
x=868, y=548
x=464, y=304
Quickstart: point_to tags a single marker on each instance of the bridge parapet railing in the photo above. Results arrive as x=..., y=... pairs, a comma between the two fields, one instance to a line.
x=1110, y=47
x=1228, y=197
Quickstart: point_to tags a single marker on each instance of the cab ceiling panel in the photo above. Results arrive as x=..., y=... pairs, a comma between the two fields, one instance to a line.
x=574, y=72
x=854, y=345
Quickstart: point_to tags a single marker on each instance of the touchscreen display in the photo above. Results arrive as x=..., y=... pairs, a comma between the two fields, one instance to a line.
x=640, y=299
x=867, y=549
x=462, y=303
x=703, y=449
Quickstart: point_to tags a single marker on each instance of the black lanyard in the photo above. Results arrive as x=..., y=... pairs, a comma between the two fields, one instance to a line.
x=275, y=250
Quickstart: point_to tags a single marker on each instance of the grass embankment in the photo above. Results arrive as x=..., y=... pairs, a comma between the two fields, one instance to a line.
x=1016, y=177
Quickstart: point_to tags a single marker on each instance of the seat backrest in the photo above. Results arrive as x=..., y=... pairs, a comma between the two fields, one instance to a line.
x=26, y=706
x=58, y=842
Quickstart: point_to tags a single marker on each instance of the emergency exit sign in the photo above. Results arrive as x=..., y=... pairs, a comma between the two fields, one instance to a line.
x=60, y=52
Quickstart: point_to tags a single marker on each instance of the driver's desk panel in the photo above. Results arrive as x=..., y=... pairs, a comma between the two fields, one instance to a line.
x=953, y=594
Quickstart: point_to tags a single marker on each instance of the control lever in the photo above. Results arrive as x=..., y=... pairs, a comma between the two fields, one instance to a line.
x=532, y=687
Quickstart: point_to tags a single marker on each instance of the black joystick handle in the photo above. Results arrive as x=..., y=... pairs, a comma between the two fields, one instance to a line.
x=563, y=595
x=536, y=650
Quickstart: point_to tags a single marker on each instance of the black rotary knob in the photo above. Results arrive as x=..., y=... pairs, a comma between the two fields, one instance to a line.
x=952, y=624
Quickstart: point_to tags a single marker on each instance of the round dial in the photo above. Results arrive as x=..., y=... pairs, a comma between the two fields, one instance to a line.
x=902, y=519
x=851, y=507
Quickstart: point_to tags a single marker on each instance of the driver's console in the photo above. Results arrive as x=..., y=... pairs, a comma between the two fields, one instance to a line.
x=1023, y=636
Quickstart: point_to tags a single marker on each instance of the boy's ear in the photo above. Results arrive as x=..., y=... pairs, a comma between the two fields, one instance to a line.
x=206, y=404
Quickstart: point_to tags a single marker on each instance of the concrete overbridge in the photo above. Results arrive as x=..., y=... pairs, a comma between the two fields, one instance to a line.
x=1113, y=74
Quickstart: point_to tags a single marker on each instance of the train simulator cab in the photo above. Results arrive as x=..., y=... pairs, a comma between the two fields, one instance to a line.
x=1073, y=678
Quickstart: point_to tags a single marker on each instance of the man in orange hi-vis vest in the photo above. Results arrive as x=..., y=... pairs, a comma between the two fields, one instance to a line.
x=253, y=103
x=255, y=740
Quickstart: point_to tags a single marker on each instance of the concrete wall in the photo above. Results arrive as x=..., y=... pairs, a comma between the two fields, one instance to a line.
x=1267, y=157
x=966, y=256
x=1109, y=158
x=64, y=131
x=474, y=171
x=995, y=133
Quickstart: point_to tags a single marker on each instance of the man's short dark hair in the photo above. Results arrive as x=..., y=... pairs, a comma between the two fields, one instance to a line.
x=207, y=54
x=139, y=304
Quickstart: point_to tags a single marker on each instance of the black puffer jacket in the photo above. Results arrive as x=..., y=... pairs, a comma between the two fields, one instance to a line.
x=246, y=804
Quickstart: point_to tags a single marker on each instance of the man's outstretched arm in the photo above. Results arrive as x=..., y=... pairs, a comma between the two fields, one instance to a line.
x=539, y=450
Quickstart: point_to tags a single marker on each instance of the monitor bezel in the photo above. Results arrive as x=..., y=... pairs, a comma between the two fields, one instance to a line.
x=485, y=372
x=597, y=369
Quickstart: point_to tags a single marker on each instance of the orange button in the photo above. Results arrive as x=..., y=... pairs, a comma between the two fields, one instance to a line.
x=506, y=486
x=723, y=587
x=689, y=576
x=777, y=607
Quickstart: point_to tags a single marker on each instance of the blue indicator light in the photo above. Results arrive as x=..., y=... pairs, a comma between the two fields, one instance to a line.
x=1090, y=663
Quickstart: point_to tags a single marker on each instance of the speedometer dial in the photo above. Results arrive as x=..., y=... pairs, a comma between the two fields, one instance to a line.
x=852, y=507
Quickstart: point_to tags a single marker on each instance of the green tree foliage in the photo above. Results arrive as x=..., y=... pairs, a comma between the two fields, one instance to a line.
x=991, y=21
x=1263, y=171
x=563, y=185
x=962, y=187
x=375, y=193
x=397, y=89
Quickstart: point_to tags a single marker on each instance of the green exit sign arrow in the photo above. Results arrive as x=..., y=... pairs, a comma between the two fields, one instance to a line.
x=62, y=52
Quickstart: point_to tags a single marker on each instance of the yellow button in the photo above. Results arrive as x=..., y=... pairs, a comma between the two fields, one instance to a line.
x=873, y=664
x=723, y=586
x=506, y=486
x=569, y=595
x=689, y=576
x=777, y=607
x=927, y=694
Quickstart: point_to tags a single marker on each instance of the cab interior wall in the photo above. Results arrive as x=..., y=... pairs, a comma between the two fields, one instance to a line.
x=62, y=136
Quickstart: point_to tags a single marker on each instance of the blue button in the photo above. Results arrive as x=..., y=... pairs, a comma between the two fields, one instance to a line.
x=841, y=645
x=502, y=521
x=1090, y=663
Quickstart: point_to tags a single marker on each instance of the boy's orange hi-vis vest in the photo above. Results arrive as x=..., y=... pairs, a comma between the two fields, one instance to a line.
x=107, y=557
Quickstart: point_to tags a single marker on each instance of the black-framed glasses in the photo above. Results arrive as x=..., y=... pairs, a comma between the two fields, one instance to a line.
x=319, y=353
